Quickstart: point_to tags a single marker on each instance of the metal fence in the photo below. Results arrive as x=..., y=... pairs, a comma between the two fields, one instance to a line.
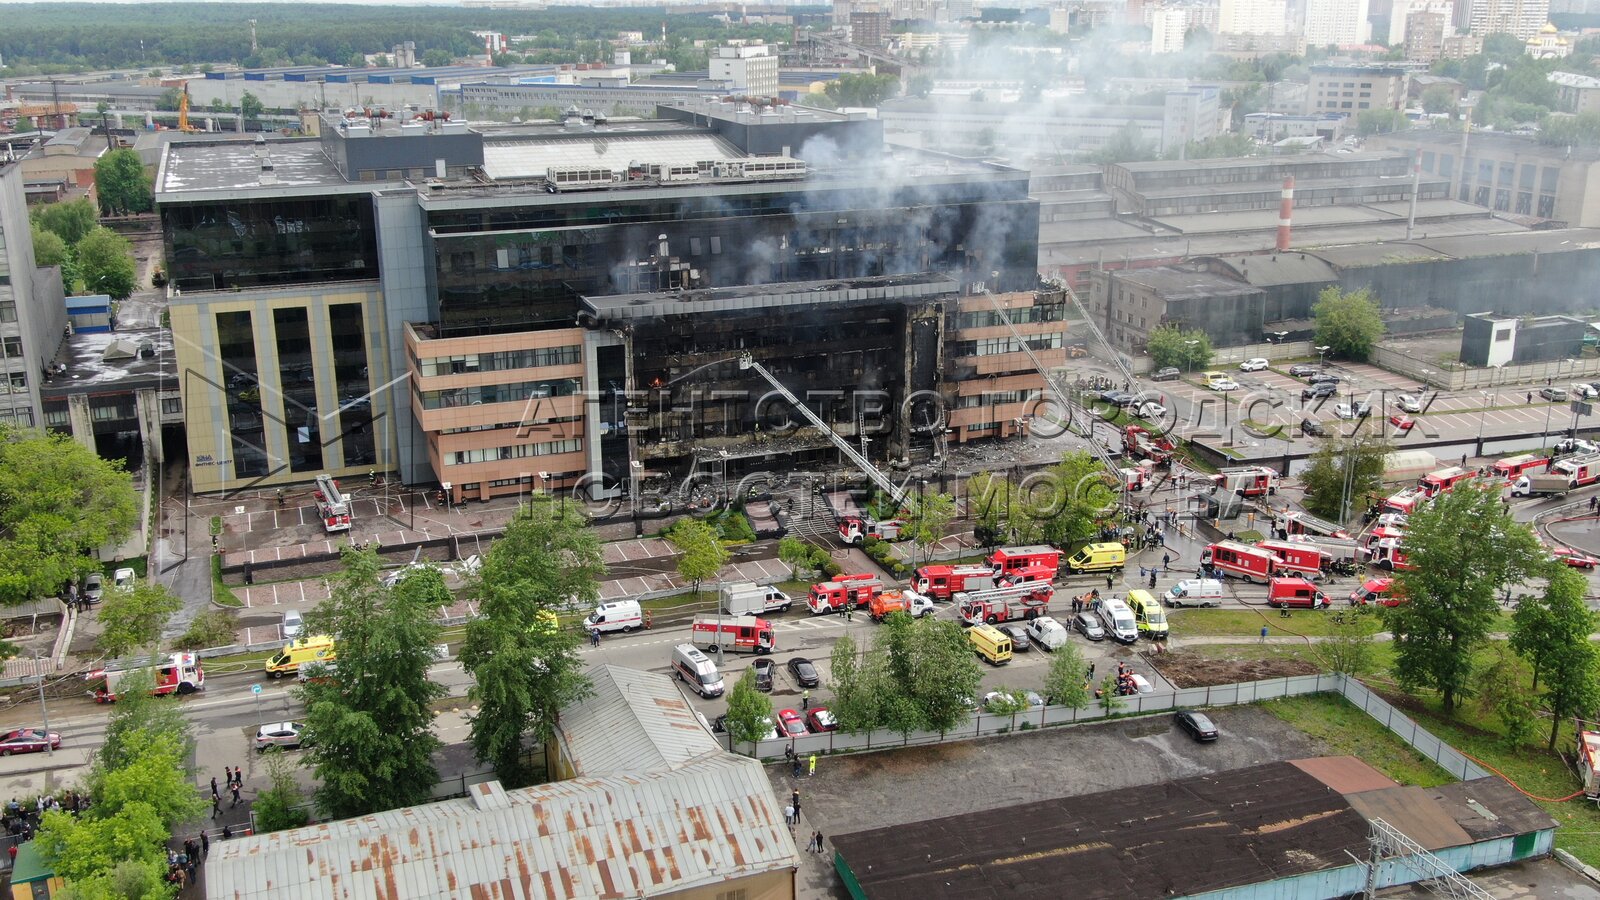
x=982, y=724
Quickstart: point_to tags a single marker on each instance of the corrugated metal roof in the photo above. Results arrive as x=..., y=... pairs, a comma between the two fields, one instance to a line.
x=618, y=836
x=633, y=722
x=1416, y=814
x=606, y=150
x=1345, y=774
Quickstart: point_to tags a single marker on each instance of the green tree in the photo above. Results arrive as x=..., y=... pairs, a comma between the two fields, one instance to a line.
x=121, y=183
x=282, y=805
x=1066, y=681
x=1503, y=692
x=1068, y=503
x=926, y=524
x=858, y=683
x=796, y=554
x=919, y=85
x=1566, y=655
x=944, y=675
x=1439, y=98
x=136, y=715
x=1380, y=121
x=368, y=730
x=105, y=263
x=1342, y=472
x=62, y=502
x=1348, y=323
x=749, y=710
x=1170, y=345
x=1127, y=145
x=170, y=100
x=1351, y=646
x=525, y=668
x=1107, y=697
x=437, y=58
x=700, y=552
x=356, y=61
x=1006, y=702
x=48, y=248
x=210, y=628
x=862, y=89
x=134, y=618
x=71, y=220
x=251, y=107
x=1463, y=548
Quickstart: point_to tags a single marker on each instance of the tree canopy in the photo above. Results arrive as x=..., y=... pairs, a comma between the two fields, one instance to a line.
x=70, y=220
x=921, y=674
x=105, y=263
x=700, y=552
x=1342, y=472
x=121, y=183
x=1170, y=345
x=1348, y=322
x=134, y=618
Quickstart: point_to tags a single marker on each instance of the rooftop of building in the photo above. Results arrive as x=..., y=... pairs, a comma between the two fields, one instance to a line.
x=615, y=307
x=1359, y=68
x=1184, y=282
x=1528, y=321
x=1285, y=164
x=1466, y=246
x=1178, y=838
x=1480, y=141
x=646, y=825
x=1574, y=80
x=201, y=166
x=1431, y=211
x=1302, y=186
x=98, y=362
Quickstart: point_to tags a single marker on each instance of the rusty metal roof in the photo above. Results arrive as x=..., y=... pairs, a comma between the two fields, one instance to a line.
x=1345, y=774
x=633, y=722
x=619, y=836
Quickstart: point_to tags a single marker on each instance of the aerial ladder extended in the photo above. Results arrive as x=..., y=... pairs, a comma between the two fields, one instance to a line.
x=746, y=361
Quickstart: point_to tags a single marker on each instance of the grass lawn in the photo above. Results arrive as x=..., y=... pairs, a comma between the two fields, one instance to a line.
x=1246, y=622
x=1335, y=721
x=1382, y=652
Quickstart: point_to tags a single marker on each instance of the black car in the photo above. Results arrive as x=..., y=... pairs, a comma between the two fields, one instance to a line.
x=804, y=673
x=1301, y=370
x=1170, y=373
x=1312, y=428
x=764, y=669
x=1087, y=625
x=1324, y=378
x=1019, y=638
x=1198, y=724
x=1118, y=398
x=1319, y=391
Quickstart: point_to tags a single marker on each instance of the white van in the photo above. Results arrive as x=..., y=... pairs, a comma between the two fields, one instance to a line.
x=620, y=615
x=697, y=669
x=1118, y=619
x=1195, y=592
x=1047, y=632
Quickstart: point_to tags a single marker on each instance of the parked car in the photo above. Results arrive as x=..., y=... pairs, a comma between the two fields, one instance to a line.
x=1574, y=445
x=1254, y=364
x=1019, y=638
x=292, y=624
x=94, y=587
x=1345, y=411
x=792, y=723
x=1198, y=724
x=765, y=669
x=1575, y=558
x=1302, y=370
x=1408, y=403
x=1170, y=373
x=1312, y=428
x=317, y=671
x=122, y=580
x=820, y=720
x=1582, y=391
x=803, y=672
x=1120, y=399
x=1086, y=624
x=1150, y=409
x=1559, y=395
x=287, y=735
x=1402, y=424
x=28, y=740
x=1218, y=381
x=1030, y=699
x=1319, y=391
x=1324, y=378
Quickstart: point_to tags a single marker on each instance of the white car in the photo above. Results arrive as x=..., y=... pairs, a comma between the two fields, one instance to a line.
x=1224, y=384
x=1345, y=411
x=1408, y=403
x=1257, y=364
x=292, y=625
x=1150, y=410
x=1392, y=520
x=122, y=580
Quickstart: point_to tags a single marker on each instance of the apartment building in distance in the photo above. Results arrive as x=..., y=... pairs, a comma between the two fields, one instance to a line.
x=1265, y=17
x=1336, y=22
x=566, y=306
x=1577, y=93
x=751, y=70
x=1348, y=89
x=1522, y=18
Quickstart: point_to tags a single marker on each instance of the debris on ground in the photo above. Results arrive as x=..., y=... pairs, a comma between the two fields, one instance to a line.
x=1187, y=669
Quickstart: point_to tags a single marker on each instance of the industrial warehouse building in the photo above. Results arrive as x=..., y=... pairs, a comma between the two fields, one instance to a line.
x=568, y=303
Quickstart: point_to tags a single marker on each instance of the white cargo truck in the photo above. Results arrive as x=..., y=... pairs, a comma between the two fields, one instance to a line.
x=747, y=598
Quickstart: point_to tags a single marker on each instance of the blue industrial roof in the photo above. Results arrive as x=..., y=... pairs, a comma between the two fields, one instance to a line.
x=89, y=303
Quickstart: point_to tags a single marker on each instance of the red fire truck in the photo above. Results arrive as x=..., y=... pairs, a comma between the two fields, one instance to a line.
x=179, y=673
x=940, y=582
x=1026, y=574
x=1580, y=470
x=1021, y=601
x=1435, y=483
x=1248, y=481
x=1011, y=559
x=1296, y=522
x=1388, y=554
x=856, y=530
x=1513, y=467
x=853, y=591
x=1406, y=502
x=332, y=505
x=1303, y=558
x=1138, y=441
x=738, y=634
x=1241, y=560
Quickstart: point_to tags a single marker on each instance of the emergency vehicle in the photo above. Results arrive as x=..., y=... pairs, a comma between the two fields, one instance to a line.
x=1340, y=549
x=1138, y=441
x=1296, y=592
x=1580, y=470
x=1513, y=467
x=1022, y=601
x=1241, y=560
x=1376, y=590
x=856, y=530
x=738, y=634
x=1406, y=502
x=1295, y=522
x=939, y=582
x=179, y=673
x=1247, y=481
x=1435, y=483
x=1304, y=558
x=1026, y=574
x=1388, y=554
x=1011, y=559
x=840, y=593
x=332, y=505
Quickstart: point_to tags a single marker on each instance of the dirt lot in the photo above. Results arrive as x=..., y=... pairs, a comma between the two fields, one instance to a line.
x=1186, y=669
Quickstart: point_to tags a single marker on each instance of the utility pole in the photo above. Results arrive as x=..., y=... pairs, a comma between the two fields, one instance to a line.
x=254, y=48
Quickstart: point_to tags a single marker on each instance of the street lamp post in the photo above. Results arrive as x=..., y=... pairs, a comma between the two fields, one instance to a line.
x=1322, y=355
x=1188, y=357
x=1481, y=415
x=44, y=711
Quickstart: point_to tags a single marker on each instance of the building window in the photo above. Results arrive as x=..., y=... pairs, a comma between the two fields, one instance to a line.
x=499, y=393
x=171, y=406
x=1548, y=178
x=1524, y=203
x=1363, y=105
x=516, y=451
x=1446, y=165
x=1508, y=174
x=8, y=311
x=1525, y=178
x=57, y=418
x=1502, y=200
x=496, y=362
x=12, y=347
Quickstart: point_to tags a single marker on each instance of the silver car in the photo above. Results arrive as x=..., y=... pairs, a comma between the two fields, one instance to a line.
x=94, y=587
x=279, y=734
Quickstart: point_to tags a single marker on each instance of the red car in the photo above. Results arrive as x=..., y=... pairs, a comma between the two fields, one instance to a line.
x=1575, y=558
x=27, y=740
x=791, y=723
x=820, y=720
x=1402, y=424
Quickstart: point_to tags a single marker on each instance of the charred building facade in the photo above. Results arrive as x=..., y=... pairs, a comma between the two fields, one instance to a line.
x=566, y=306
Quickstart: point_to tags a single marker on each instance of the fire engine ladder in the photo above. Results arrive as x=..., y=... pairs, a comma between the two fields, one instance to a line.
x=1393, y=850
x=1002, y=594
x=746, y=361
x=1064, y=396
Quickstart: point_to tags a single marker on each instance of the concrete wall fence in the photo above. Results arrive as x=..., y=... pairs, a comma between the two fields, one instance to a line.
x=1560, y=371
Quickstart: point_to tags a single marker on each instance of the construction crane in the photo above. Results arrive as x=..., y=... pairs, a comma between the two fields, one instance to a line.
x=746, y=361
x=183, y=110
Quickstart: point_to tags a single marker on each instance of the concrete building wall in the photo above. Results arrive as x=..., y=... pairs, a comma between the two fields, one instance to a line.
x=1509, y=174
x=1522, y=18
x=1347, y=90
x=1268, y=17
x=502, y=102
x=31, y=312
x=1338, y=22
